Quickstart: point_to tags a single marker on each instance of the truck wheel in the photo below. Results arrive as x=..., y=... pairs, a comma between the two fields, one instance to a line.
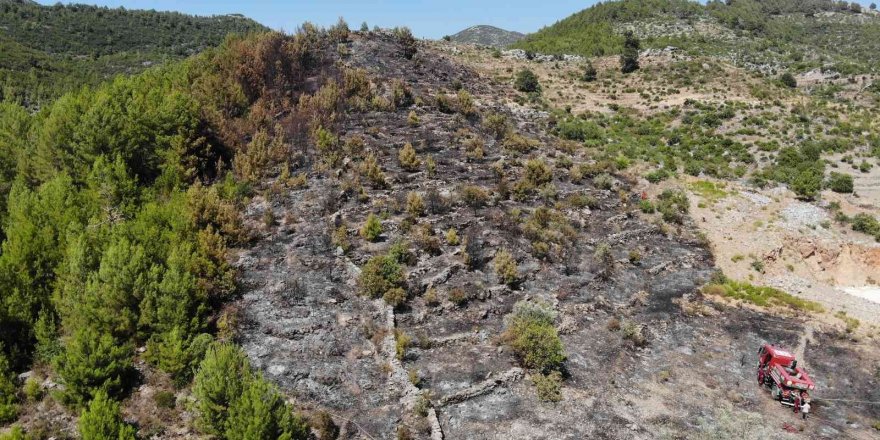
x=776, y=392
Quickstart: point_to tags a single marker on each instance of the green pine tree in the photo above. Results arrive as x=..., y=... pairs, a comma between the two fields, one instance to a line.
x=223, y=376
x=8, y=402
x=93, y=362
x=629, y=59
x=177, y=354
x=261, y=414
x=102, y=421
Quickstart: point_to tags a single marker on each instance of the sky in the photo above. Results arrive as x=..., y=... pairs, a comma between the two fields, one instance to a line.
x=427, y=19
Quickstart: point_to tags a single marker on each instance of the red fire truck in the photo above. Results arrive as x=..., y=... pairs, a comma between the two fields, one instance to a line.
x=788, y=383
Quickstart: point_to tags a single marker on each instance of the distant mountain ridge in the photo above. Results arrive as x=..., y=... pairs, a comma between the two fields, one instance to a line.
x=487, y=36
x=48, y=50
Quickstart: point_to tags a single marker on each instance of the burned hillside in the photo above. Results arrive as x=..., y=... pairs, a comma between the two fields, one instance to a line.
x=435, y=168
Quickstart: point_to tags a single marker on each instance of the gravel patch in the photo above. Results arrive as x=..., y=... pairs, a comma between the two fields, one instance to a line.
x=799, y=214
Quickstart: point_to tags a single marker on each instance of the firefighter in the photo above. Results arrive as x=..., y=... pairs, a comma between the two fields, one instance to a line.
x=805, y=405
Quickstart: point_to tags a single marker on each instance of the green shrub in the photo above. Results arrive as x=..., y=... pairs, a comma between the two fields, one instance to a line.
x=537, y=172
x=32, y=389
x=466, y=104
x=657, y=176
x=673, y=205
x=372, y=228
x=527, y=82
x=505, y=268
x=865, y=223
x=408, y=44
x=646, y=206
x=548, y=386
x=807, y=183
x=339, y=238
x=408, y=158
x=788, y=80
x=531, y=334
x=176, y=354
x=496, y=124
x=380, y=275
x=371, y=170
x=102, y=421
x=415, y=205
x=395, y=297
x=634, y=333
x=473, y=196
x=604, y=259
x=413, y=119
x=15, y=433
x=402, y=342
x=452, y=237
x=840, y=183
x=603, y=181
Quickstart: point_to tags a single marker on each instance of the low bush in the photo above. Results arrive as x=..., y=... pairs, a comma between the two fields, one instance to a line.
x=415, y=205
x=459, y=296
x=473, y=196
x=865, y=223
x=380, y=275
x=537, y=172
x=372, y=228
x=526, y=81
x=324, y=426
x=673, y=205
x=840, y=183
x=452, y=237
x=531, y=334
x=408, y=158
x=788, y=80
x=505, y=268
x=548, y=386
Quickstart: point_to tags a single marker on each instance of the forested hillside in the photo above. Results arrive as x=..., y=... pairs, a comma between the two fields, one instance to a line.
x=48, y=50
x=773, y=33
x=122, y=200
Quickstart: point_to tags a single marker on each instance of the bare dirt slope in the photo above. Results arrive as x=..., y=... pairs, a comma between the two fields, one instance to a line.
x=685, y=368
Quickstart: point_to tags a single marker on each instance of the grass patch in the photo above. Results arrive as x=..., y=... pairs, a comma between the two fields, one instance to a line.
x=710, y=191
x=761, y=296
x=852, y=324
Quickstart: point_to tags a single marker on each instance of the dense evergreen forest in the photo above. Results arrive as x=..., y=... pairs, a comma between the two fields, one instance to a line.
x=49, y=50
